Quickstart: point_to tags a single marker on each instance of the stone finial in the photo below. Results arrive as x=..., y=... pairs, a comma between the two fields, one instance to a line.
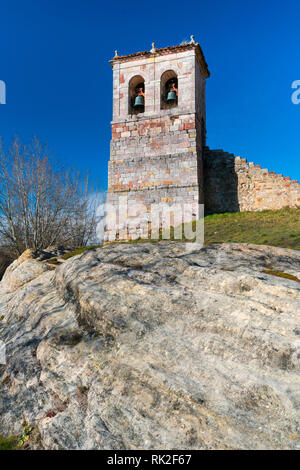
x=153, y=48
x=192, y=41
x=116, y=54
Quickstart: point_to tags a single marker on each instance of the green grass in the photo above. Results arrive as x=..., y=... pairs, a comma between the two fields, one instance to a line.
x=79, y=251
x=273, y=272
x=8, y=443
x=276, y=228
x=16, y=442
x=54, y=261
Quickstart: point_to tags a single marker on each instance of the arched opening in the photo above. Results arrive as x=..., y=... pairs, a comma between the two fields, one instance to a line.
x=136, y=95
x=168, y=90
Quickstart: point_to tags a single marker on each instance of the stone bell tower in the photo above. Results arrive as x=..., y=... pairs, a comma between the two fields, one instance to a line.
x=157, y=136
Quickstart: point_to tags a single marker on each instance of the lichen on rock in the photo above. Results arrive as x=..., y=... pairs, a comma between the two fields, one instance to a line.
x=151, y=346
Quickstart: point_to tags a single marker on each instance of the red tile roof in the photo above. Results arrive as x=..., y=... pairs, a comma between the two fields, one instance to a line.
x=163, y=51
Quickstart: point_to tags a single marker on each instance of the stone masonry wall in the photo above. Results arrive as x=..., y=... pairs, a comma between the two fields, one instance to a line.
x=232, y=184
x=156, y=155
x=153, y=153
x=153, y=161
x=151, y=69
x=168, y=195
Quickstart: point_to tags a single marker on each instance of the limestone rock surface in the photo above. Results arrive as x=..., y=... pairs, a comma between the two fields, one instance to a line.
x=151, y=346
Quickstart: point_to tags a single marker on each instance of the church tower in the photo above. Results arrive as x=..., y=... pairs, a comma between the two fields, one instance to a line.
x=158, y=127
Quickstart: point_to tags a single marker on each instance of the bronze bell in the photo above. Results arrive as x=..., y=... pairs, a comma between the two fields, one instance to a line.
x=171, y=96
x=139, y=101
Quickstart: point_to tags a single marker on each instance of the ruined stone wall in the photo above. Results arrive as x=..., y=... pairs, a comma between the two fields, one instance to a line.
x=232, y=184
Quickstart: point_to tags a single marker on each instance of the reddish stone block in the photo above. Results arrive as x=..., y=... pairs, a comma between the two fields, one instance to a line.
x=116, y=135
x=189, y=126
x=155, y=145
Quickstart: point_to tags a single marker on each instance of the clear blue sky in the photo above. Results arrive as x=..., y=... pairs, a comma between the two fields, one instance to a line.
x=54, y=59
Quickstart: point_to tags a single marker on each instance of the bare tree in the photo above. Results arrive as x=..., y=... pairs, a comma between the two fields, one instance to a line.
x=40, y=203
x=82, y=224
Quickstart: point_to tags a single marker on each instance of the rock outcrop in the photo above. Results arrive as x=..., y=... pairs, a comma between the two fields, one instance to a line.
x=151, y=346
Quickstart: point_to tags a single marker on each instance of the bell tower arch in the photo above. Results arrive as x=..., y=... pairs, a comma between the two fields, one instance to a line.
x=168, y=90
x=158, y=127
x=136, y=95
